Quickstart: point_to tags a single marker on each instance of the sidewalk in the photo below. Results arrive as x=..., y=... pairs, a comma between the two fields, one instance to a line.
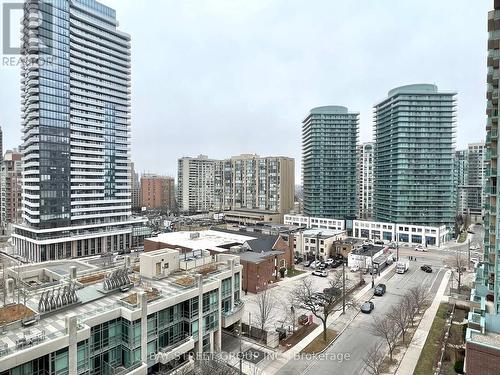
x=412, y=354
x=333, y=320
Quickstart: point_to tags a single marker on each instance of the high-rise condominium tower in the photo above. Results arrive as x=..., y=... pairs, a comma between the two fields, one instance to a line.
x=470, y=173
x=414, y=156
x=483, y=332
x=365, y=180
x=329, y=138
x=76, y=126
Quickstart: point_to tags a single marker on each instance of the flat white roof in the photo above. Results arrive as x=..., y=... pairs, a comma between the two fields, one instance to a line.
x=208, y=239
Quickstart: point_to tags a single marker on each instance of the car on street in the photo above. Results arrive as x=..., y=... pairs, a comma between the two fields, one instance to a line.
x=354, y=269
x=420, y=248
x=321, y=273
x=329, y=261
x=337, y=262
x=426, y=268
x=367, y=307
x=307, y=263
x=380, y=290
x=322, y=266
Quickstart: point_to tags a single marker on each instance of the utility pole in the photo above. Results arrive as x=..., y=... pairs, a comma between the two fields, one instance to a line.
x=241, y=350
x=468, y=255
x=397, y=249
x=372, y=268
x=317, y=246
x=343, y=286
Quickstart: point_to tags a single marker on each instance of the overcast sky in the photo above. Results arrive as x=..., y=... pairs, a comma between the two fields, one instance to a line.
x=224, y=77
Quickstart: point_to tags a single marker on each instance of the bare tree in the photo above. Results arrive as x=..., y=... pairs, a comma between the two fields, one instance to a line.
x=385, y=328
x=287, y=312
x=373, y=359
x=410, y=307
x=419, y=296
x=458, y=263
x=212, y=364
x=305, y=295
x=266, y=309
x=400, y=316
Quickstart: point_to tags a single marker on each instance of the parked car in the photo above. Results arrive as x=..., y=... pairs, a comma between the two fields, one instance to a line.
x=329, y=261
x=337, y=263
x=307, y=263
x=321, y=273
x=322, y=266
x=367, y=307
x=354, y=269
x=380, y=290
x=315, y=264
x=303, y=319
x=426, y=268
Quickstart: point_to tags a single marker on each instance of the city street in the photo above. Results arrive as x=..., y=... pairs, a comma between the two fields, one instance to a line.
x=353, y=343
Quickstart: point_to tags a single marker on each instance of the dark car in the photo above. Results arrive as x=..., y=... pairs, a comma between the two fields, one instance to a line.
x=367, y=307
x=303, y=319
x=380, y=290
x=426, y=268
x=322, y=266
x=337, y=263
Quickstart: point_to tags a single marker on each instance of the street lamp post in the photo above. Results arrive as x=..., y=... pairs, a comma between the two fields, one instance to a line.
x=371, y=268
x=343, y=286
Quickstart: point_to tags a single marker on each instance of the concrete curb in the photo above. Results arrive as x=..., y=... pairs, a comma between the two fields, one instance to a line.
x=412, y=354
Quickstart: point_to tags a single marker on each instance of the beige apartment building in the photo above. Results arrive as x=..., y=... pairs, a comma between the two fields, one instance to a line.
x=241, y=183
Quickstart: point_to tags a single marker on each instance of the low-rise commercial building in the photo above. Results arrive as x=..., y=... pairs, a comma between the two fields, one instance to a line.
x=376, y=230
x=405, y=233
x=314, y=222
x=136, y=320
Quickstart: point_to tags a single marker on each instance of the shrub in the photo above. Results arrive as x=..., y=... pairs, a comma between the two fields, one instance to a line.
x=459, y=367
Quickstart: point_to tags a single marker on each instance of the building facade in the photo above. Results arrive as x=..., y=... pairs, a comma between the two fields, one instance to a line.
x=76, y=126
x=195, y=184
x=364, y=186
x=11, y=188
x=483, y=332
x=461, y=179
x=246, y=182
x=157, y=326
x=329, y=139
x=135, y=186
x=314, y=222
x=157, y=192
x=414, y=156
x=470, y=165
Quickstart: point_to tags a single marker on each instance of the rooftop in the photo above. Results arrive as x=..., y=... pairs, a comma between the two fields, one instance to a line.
x=216, y=240
x=92, y=297
x=487, y=338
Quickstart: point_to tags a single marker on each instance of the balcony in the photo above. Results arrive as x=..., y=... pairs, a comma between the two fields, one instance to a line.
x=171, y=352
x=234, y=315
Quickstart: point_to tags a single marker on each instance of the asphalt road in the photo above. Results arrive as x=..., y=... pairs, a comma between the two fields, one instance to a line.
x=345, y=356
